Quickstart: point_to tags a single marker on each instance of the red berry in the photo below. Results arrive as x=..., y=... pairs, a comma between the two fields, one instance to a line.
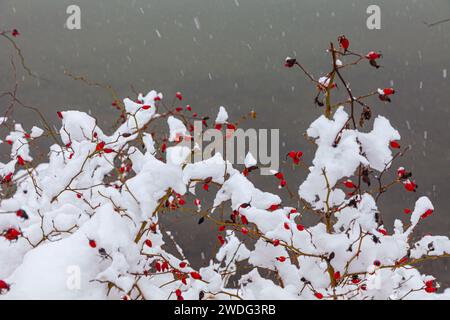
x=274, y=207
x=289, y=62
x=295, y=154
x=100, y=146
x=222, y=228
x=188, y=108
x=318, y=295
x=183, y=264
x=197, y=202
x=244, y=205
x=407, y=211
x=337, y=275
x=59, y=114
x=344, y=42
x=20, y=161
x=22, y=214
x=7, y=178
x=356, y=280
x=410, y=186
x=196, y=275
x=92, y=243
x=276, y=242
x=388, y=91
x=244, y=220
x=146, y=107
x=3, y=285
x=300, y=227
x=12, y=234
x=15, y=33
x=179, y=96
x=349, y=184
x=382, y=231
x=377, y=263
x=281, y=259
x=286, y=226
x=372, y=55
x=429, y=283
x=206, y=187
x=231, y=126
x=244, y=230
x=427, y=213
x=221, y=240
x=430, y=289
x=282, y=183
x=279, y=175
x=218, y=126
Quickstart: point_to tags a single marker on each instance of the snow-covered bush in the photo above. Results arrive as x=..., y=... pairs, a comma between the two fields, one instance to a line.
x=86, y=223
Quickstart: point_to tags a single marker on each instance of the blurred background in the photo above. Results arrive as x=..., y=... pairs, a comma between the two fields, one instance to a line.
x=231, y=53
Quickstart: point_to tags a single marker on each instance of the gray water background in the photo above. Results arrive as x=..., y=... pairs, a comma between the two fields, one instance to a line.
x=231, y=53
